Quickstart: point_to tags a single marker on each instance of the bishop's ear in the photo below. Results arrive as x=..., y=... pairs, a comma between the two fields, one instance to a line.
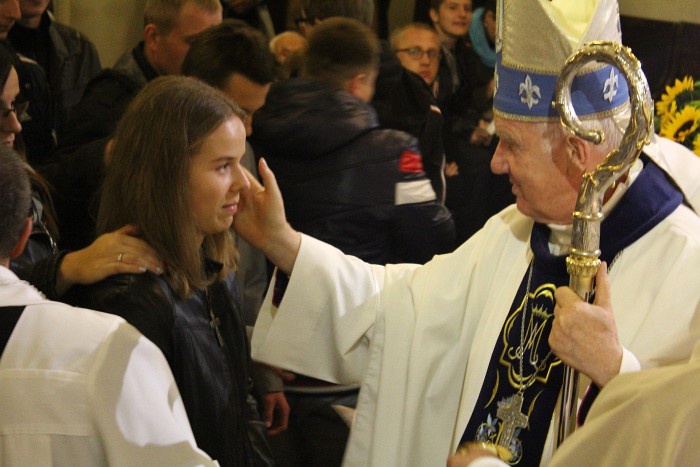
x=579, y=154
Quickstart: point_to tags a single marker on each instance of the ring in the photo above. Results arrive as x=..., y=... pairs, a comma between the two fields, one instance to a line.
x=119, y=258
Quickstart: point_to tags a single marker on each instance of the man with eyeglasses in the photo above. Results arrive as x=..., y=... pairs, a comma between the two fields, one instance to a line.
x=417, y=47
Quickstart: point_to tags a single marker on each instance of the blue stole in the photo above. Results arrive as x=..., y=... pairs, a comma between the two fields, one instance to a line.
x=648, y=201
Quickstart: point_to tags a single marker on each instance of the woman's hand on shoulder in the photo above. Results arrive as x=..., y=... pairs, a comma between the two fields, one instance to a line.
x=118, y=252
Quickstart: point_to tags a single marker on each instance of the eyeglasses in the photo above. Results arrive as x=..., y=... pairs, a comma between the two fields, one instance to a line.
x=417, y=53
x=18, y=107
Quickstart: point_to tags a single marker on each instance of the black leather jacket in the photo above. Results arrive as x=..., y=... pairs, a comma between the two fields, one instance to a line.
x=213, y=380
x=345, y=180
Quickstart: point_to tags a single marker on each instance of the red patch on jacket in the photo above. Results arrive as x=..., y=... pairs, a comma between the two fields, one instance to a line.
x=410, y=162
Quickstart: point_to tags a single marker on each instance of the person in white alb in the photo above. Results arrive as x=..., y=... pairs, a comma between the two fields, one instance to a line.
x=77, y=387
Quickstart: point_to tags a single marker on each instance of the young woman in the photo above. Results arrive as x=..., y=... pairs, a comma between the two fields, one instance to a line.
x=174, y=172
x=41, y=264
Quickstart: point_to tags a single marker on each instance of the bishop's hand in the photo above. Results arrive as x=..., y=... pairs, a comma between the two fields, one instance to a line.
x=584, y=336
x=262, y=223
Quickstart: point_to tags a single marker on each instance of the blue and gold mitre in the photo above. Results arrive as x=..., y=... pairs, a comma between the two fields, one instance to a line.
x=534, y=39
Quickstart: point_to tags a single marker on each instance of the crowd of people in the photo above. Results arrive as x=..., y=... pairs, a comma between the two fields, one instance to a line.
x=317, y=247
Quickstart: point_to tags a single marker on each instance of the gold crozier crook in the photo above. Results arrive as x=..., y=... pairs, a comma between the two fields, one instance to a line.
x=582, y=263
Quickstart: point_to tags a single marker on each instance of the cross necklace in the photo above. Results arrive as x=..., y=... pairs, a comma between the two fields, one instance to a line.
x=510, y=409
x=215, y=321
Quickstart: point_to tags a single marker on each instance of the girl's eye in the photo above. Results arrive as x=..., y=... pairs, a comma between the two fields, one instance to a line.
x=223, y=167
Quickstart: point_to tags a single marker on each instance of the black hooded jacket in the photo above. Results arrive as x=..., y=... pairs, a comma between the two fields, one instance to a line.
x=347, y=181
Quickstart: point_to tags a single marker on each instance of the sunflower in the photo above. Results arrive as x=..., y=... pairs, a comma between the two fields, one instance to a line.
x=696, y=145
x=681, y=126
x=675, y=98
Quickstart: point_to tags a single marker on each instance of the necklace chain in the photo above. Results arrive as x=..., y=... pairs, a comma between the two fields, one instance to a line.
x=520, y=352
x=215, y=321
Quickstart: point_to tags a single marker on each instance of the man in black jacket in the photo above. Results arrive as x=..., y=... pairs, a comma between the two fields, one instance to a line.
x=67, y=57
x=37, y=124
x=169, y=26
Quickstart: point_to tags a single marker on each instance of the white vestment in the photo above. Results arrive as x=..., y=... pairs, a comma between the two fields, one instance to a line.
x=645, y=418
x=681, y=164
x=420, y=338
x=79, y=387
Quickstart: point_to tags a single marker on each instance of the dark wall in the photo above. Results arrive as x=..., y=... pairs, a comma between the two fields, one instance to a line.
x=666, y=50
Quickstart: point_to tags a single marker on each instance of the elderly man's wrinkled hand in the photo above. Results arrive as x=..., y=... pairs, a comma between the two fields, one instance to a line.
x=584, y=336
x=261, y=220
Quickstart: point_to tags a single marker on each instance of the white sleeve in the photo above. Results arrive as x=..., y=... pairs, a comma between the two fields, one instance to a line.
x=137, y=407
x=629, y=362
x=321, y=326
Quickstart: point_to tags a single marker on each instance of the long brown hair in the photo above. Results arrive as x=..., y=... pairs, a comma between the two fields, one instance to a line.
x=147, y=177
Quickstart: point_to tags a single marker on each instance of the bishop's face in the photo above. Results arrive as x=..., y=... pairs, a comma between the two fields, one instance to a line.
x=544, y=179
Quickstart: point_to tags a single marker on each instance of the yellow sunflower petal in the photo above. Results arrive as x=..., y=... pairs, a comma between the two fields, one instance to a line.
x=682, y=124
x=696, y=145
x=667, y=105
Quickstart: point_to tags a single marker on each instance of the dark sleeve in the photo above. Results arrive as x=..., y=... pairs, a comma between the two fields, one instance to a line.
x=37, y=126
x=42, y=274
x=142, y=300
x=75, y=177
x=76, y=72
x=423, y=227
x=423, y=230
x=472, y=100
x=98, y=112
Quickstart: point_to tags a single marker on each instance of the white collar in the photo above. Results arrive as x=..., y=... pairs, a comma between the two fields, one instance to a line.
x=14, y=291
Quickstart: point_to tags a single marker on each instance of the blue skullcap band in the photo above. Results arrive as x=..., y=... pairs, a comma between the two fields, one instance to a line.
x=530, y=95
